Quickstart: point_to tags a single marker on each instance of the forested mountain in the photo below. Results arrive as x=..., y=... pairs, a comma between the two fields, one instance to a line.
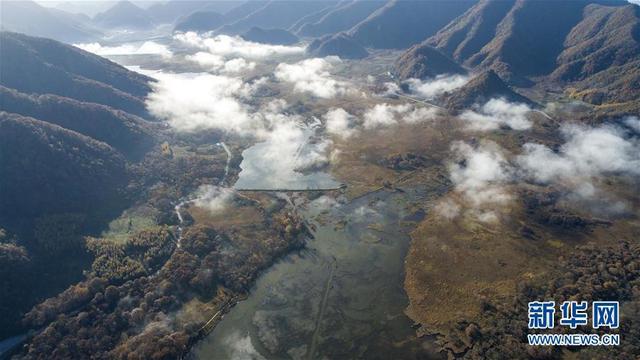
x=280, y=14
x=48, y=169
x=591, y=44
x=66, y=143
x=342, y=17
x=402, y=23
x=341, y=45
x=125, y=132
x=423, y=61
x=39, y=65
x=480, y=89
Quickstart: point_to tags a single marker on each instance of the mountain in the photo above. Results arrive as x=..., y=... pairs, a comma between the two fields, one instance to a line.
x=591, y=46
x=47, y=169
x=88, y=8
x=129, y=134
x=341, y=45
x=467, y=34
x=171, y=11
x=124, y=15
x=39, y=65
x=270, y=36
x=316, y=16
x=200, y=21
x=517, y=39
x=244, y=9
x=32, y=19
x=279, y=14
x=340, y=18
x=402, y=23
x=480, y=89
x=423, y=61
x=603, y=52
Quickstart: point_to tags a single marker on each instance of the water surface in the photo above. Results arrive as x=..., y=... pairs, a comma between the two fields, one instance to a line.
x=341, y=297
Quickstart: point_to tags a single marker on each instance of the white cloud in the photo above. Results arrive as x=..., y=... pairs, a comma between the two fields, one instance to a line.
x=207, y=60
x=191, y=102
x=383, y=115
x=387, y=115
x=588, y=152
x=448, y=209
x=481, y=176
x=312, y=76
x=140, y=70
x=339, y=122
x=234, y=46
x=432, y=88
x=287, y=158
x=391, y=88
x=587, y=158
x=213, y=62
x=146, y=48
x=242, y=347
x=238, y=65
x=496, y=113
x=213, y=198
x=633, y=123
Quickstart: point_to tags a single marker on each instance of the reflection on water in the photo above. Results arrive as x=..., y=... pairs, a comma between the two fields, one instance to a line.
x=341, y=297
x=286, y=160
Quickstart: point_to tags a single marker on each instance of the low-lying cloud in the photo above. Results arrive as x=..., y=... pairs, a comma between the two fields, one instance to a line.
x=213, y=198
x=480, y=173
x=146, y=48
x=192, y=102
x=382, y=115
x=235, y=46
x=432, y=88
x=312, y=76
x=588, y=156
x=220, y=64
x=481, y=176
x=497, y=113
x=287, y=158
x=340, y=123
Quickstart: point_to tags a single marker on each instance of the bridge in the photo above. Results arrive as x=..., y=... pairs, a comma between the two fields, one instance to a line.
x=334, y=188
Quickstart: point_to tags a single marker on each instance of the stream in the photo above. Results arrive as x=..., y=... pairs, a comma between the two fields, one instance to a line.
x=185, y=201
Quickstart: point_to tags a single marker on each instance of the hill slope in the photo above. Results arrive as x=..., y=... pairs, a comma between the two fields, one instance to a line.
x=480, y=89
x=467, y=34
x=124, y=14
x=400, y=24
x=200, y=21
x=30, y=18
x=270, y=36
x=48, y=169
x=340, y=18
x=280, y=14
x=423, y=61
x=341, y=45
x=592, y=46
x=125, y=132
x=38, y=65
